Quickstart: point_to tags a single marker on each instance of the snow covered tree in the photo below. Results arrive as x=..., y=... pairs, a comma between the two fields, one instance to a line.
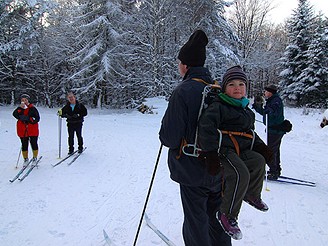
x=314, y=77
x=154, y=39
x=163, y=32
x=51, y=62
x=295, y=59
x=264, y=67
x=16, y=29
x=98, y=56
x=258, y=46
x=248, y=19
x=222, y=50
x=23, y=24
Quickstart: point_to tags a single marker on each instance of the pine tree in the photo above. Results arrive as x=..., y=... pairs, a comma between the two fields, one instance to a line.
x=20, y=24
x=98, y=51
x=294, y=61
x=222, y=48
x=315, y=77
x=160, y=33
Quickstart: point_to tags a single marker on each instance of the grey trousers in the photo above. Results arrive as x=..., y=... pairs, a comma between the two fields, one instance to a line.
x=243, y=176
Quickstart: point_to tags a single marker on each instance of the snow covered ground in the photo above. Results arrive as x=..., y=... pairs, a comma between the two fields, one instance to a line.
x=107, y=186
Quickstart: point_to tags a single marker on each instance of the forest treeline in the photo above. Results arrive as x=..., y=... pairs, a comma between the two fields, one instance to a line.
x=115, y=53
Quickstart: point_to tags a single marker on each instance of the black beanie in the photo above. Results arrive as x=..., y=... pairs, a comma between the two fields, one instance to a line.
x=193, y=53
x=235, y=72
x=271, y=88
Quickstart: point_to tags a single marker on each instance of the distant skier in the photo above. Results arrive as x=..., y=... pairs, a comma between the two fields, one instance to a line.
x=74, y=112
x=227, y=127
x=27, y=127
x=274, y=108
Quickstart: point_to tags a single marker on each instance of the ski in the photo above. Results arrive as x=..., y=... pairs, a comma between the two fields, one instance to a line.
x=158, y=232
x=107, y=239
x=20, y=172
x=30, y=169
x=292, y=182
x=76, y=156
x=299, y=180
x=61, y=161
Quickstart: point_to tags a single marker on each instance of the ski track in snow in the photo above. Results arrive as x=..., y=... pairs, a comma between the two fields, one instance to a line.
x=106, y=187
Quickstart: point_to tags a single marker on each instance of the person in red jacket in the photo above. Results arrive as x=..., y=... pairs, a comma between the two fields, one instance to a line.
x=27, y=126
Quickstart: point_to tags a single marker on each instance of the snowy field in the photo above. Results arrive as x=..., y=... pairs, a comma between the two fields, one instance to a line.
x=107, y=186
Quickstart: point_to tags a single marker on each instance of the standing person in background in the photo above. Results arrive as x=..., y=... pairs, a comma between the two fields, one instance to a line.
x=74, y=112
x=199, y=180
x=274, y=108
x=27, y=127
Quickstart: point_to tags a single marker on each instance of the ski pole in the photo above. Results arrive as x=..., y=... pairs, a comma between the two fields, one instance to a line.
x=59, y=136
x=19, y=154
x=267, y=140
x=148, y=194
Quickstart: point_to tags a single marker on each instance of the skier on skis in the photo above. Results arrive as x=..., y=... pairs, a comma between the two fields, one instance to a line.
x=200, y=182
x=227, y=136
x=274, y=108
x=27, y=127
x=74, y=112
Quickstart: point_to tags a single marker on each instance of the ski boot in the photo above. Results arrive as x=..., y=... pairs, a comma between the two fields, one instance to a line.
x=25, y=163
x=256, y=203
x=33, y=163
x=229, y=225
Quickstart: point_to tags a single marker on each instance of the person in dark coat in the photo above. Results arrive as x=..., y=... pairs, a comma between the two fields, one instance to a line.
x=200, y=186
x=226, y=130
x=28, y=118
x=74, y=112
x=274, y=108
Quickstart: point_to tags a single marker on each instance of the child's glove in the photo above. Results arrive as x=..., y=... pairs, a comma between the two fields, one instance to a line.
x=265, y=151
x=60, y=112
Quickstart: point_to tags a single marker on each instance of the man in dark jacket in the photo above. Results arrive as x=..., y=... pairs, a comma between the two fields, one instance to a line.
x=200, y=185
x=274, y=108
x=74, y=112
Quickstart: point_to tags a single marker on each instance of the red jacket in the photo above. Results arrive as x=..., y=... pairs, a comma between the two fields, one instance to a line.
x=27, y=121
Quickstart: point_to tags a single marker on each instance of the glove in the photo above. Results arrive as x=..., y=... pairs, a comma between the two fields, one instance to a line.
x=258, y=100
x=32, y=120
x=24, y=118
x=265, y=151
x=75, y=116
x=60, y=112
x=212, y=162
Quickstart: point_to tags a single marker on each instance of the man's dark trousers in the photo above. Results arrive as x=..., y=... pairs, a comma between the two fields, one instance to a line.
x=75, y=127
x=200, y=205
x=274, y=142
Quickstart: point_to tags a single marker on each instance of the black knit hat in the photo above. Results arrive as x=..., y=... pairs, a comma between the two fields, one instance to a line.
x=193, y=53
x=271, y=88
x=235, y=72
